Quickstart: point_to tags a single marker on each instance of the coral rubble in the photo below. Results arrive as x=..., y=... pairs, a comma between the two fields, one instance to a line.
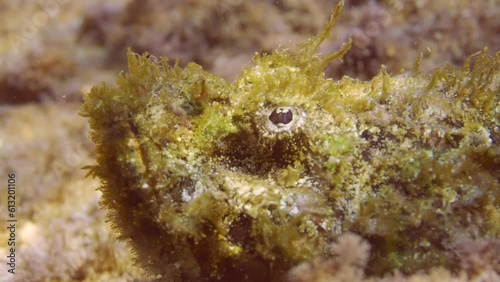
x=61, y=231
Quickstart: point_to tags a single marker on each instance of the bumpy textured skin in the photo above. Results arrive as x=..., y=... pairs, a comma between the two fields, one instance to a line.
x=205, y=186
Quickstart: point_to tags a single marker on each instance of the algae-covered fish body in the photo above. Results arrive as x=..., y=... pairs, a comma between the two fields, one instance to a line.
x=209, y=180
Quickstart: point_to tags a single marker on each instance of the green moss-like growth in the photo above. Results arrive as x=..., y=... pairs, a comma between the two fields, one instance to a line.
x=209, y=180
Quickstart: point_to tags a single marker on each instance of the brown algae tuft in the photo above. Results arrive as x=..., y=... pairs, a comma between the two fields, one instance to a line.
x=209, y=180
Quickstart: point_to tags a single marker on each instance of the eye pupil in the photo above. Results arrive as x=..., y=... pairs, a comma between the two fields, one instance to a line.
x=281, y=115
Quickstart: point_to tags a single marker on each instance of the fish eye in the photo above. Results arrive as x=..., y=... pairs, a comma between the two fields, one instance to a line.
x=281, y=115
x=280, y=119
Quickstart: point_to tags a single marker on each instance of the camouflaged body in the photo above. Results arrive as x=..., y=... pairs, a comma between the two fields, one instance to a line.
x=209, y=180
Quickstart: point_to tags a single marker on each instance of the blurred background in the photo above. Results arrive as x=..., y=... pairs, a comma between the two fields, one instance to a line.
x=53, y=51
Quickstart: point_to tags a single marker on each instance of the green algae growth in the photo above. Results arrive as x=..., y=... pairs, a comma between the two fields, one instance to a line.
x=209, y=180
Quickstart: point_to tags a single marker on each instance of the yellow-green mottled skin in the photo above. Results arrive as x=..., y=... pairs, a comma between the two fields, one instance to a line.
x=198, y=180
